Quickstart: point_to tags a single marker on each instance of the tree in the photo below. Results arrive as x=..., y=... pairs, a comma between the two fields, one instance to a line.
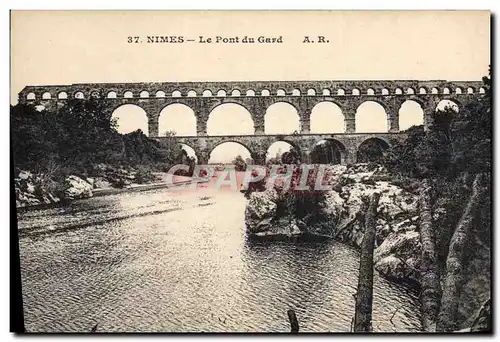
x=430, y=292
x=79, y=136
x=291, y=157
x=326, y=153
x=239, y=163
x=455, y=263
x=455, y=150
x=364, y=295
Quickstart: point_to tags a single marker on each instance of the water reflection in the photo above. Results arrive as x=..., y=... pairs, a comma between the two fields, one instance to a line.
x=160, y=261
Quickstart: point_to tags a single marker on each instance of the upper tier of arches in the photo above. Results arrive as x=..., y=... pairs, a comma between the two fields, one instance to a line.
x=278, y=89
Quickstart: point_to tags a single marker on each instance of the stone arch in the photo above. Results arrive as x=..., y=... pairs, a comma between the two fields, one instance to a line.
x=371, y=116
x=31, y=96
x=370, y=91
x=130, y=117
x=385, y=91
x=221, y=93
x=327, y=117
x=226, y=150
x=328, y=151
x=191, y=93
x=435, y=90
x=144, y=94
x=111, y=95
x=296, y=92
x=281, y=118
x=79, y=95
x=446, y=90
x=371, y=150
x=280, y=92
x=311, y=92
x=46, y=96
x=410, y=91
x=411, y=113
x=207, y=93
x=458, y=90
x=470, y=90
x=326, y=92
x=176, y=93
x=422, y=91
x=482, y=90
x=95, y=94
x=265, y=92
x=250, y=92
x=128, y=94
x=355, y=91
x=190, y=151
x=447, y=103
x=177, y=117
x=341, y=92
x=235, y=92
x=398, y=91
x=62, y=95
x=160, y=93
x=277, y=149
x=230, y=118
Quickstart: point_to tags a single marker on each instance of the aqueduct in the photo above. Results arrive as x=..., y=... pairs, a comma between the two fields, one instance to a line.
x=257, y=96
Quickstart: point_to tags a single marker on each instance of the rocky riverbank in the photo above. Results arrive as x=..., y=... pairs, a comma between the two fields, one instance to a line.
x=36, y=189
x=397, y=253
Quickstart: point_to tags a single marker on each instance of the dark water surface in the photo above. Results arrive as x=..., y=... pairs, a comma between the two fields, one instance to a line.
x=166, y=261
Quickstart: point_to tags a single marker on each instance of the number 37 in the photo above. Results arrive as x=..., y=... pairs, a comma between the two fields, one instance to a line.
x=132, y=39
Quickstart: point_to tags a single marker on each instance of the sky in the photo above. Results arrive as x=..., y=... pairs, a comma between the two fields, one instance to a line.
x=65, y=47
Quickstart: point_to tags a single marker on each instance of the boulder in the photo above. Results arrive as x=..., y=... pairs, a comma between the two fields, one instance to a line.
x=90, y=180
x=29, y=188
x=75, y=188
x=101, y=183
x=52, y=198
x=282, y=229
x=24, y=175
x=261, y=211
x=398, y=257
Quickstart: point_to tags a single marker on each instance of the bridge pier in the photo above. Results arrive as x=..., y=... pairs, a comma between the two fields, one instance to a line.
x=259, y=158
x=153, y=127
x=305, y=125
x=305, y=156
x=429, y=109
x=203, y=157
x=350, y=118
x=201, y=126
x=393, y=123
x=350, y=125
x=349, y=157
x=259, y=129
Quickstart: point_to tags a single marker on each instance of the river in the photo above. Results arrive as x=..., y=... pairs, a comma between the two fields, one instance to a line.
x=165, y=261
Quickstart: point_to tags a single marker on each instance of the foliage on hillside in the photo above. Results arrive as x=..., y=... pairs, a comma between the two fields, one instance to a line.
x=78, y=137
x=455, y=144
x=452, y=156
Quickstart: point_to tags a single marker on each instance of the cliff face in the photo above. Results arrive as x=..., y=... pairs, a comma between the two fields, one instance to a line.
x=397, y=254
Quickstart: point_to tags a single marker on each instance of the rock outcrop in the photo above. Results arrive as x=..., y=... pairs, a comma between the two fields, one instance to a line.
x=31, y=189
x=36, y=189
x=397, y=253
x=76, y=188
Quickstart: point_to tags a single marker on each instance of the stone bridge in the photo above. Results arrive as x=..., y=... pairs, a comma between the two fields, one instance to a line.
x=258, y=145
x=257, y=96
